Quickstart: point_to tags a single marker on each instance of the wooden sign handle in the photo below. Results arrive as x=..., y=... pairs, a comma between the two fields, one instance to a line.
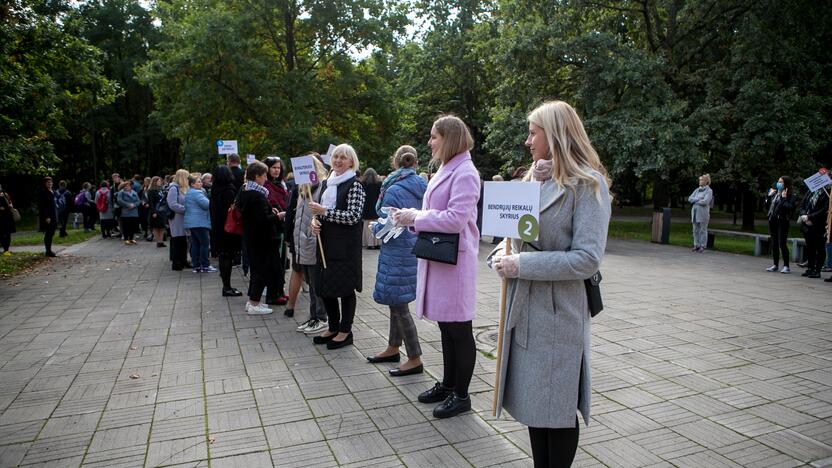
x=320, y=244
x=503, y=296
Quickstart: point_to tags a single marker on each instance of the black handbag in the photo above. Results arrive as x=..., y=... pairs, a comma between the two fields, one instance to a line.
x=593, y=294
x=437, y=247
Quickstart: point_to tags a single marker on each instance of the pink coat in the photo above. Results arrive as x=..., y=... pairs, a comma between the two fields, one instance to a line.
x=448, y=293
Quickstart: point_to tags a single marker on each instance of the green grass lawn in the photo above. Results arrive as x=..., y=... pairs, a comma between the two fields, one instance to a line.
x=74, y=236
x=17, y=262
x=681, y=234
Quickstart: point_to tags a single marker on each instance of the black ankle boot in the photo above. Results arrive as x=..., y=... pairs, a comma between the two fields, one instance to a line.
x=436, y=394
x=452, y=406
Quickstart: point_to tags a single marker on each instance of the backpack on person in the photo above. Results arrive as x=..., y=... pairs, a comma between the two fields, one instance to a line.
x=162, y=208
x=80, y=200
x=60, y=202
x=103, y=202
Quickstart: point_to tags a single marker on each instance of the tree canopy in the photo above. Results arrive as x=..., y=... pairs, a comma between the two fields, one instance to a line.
x=667, y=89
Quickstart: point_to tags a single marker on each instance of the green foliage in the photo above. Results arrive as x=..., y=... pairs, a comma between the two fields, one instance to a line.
x=276, y=76
x=49, y=78
x=18, y=262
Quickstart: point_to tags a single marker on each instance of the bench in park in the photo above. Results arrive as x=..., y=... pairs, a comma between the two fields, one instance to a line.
x=762, y=242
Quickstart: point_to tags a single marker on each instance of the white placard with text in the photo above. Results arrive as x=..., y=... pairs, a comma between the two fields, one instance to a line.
x=303, y=168
x=227, y=147
x=819, y=180
x=511, y=209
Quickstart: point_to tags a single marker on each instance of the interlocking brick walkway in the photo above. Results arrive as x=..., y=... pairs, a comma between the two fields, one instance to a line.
x=108, y=358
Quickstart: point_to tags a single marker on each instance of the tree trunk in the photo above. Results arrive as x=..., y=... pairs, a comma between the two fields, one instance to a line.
x=661, y=198
x=289, y=24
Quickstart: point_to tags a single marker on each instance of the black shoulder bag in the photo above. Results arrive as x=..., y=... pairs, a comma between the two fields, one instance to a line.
x=593, y=290
x=437, y=246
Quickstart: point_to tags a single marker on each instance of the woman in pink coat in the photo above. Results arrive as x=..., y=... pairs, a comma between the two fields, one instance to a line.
x=447, y=293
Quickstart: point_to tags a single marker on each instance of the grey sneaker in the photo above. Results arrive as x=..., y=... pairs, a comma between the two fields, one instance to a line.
x=772, y=269
x=785, y=270
x=258, y=309
x=302, y=327
x=314, y=327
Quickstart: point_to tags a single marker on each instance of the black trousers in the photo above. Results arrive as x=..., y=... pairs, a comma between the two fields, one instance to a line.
x=130, y=226
x=5, y=240
x=815, y=249
x=276, y=279
x=459, y=354
x=179, y=252
x=48, y=234
x=225, y=260
x=63, y=218
x=89, y=217
x=779, y=231
x=340, y=320
x=554, y=448
x=107, y=227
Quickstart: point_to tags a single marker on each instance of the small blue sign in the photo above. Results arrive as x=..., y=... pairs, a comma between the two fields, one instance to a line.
x=220, y=143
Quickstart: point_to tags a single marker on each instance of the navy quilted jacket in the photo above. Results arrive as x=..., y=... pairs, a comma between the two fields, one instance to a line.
x=396, y=277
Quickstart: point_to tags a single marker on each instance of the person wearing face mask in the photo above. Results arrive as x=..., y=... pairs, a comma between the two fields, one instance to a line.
x=447, y=293
x=545, y=365
x=812, y=223
x=780, y=203
x=701, y=201
x=338, y=223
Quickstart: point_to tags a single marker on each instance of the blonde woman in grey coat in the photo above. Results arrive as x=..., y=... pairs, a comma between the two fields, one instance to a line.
x=702, y=199
x=545, y=362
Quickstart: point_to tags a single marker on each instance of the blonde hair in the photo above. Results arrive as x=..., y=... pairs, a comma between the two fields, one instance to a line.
x=181, y=179
x=456, y=138
x=570, y=148
x=707, y=178
x=348, y=151
x=405, y=156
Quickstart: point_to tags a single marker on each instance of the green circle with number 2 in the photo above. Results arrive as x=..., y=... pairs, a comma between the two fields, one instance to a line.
x=528, y=228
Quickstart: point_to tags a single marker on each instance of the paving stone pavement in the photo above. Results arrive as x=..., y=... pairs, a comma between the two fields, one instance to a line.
x=109, y=358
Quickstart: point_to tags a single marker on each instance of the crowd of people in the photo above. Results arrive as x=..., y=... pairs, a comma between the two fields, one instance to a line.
x=256, y=220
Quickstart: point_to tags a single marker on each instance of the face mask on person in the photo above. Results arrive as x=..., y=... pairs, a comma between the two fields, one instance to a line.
x=779, y=185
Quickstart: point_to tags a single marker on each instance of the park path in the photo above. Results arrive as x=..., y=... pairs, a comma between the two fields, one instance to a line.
x=109, y=358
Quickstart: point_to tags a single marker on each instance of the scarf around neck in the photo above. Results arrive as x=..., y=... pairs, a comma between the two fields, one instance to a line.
x=397, y=175
x=328, y=199
x=542, y=169
x=257, y=187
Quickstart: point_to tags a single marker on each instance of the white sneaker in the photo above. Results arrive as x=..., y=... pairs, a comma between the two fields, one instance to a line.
x=786, y=270
x=314, y=327
x=303, y=326
x=258, y=309
x=772, y=269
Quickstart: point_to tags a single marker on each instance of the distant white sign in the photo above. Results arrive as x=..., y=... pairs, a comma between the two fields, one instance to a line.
x=511, y=209
x=227, y=146
x=303, y=168
x=819, y=180
x=327, y=158
x=250, y=158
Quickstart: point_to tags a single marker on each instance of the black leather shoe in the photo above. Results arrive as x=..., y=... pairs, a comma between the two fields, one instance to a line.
x=401, y=373
x=231, y=292
x=435, y=395
x=289, y=312
x=320, y=339
x=51, y=254
x=452, y=406
x=806, y=273
x=814, y=274
x=828, y=280
x=339, y=344
x=392, y=358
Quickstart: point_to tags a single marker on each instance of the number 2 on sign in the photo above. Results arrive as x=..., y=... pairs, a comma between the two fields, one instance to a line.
x=528, y=228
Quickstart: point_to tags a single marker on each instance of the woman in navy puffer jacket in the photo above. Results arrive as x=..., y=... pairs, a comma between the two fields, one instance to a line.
x=396, y=277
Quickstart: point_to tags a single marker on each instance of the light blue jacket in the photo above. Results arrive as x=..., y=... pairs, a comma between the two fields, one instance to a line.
x=197, y=213
x=124, y=200
x=396, y=276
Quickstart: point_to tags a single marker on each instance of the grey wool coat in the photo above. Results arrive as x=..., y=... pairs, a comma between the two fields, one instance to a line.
x=545, y=363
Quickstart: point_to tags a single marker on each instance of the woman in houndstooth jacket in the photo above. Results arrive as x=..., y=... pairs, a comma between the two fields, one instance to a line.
x=338, y=222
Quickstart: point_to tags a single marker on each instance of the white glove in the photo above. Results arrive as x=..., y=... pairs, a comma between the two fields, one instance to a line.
x=507, y=266
x=405, y=217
